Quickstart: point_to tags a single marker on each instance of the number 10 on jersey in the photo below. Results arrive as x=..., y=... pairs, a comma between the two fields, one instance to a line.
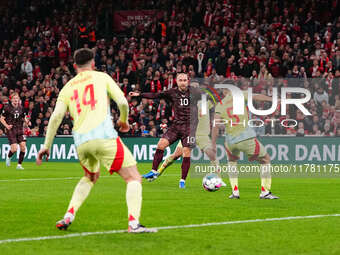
x=91, y=101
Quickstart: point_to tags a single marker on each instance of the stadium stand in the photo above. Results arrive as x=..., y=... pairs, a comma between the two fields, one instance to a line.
x=254, y=43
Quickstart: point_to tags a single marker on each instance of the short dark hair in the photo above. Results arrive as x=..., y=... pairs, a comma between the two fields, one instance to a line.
x=83, y=56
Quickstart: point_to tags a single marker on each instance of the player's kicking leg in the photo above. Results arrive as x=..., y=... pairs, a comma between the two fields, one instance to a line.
x=169, y=160
x=157, y=158
x=204, y=143
x=167, y=139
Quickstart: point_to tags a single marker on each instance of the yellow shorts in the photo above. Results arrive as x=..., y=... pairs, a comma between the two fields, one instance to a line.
x=251, y=147
x=111, y=153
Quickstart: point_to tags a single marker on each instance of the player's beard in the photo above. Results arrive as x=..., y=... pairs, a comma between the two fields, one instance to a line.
x=183, y=89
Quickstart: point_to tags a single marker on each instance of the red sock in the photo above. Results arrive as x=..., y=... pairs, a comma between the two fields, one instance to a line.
x=71, y=210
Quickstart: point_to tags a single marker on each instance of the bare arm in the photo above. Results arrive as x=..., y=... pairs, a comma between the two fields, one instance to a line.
x=214, y=131
x=53, y=125
x=260, y=97
x=3, y=122
x=150, y=95
x=118, y=96
x=27, y=121
x=54, y=122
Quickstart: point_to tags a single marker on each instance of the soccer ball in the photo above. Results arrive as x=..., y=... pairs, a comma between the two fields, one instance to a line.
x=211, y=182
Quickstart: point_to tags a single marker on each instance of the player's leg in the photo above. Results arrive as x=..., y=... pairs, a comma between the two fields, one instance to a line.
x=116, y=157
x=153, y=175
x=167, y=139
x=233, y=154
x=13, y=143
x=171, y=158
x=256, y=151
x=211, y=153
x=204, y=143
x=185, y=166
x=157, y=158
x=188, y=140
x=91, y=166
x=266, y=180
x=162, y=144
x=22, y=145
x=133, y=198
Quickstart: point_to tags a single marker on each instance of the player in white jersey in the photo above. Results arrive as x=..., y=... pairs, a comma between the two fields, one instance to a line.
x=87, y=98
x=240, y=137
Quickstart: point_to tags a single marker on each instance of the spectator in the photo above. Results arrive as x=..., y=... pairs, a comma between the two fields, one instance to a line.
x=195, y=39
x=126, y=86
x=320, y=96
x=64, y=48
x=327, y=130
x=26, y=68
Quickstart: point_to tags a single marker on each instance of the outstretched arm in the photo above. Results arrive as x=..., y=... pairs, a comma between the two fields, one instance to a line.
x=53, y=124
x=149, y=95
x=260, y=97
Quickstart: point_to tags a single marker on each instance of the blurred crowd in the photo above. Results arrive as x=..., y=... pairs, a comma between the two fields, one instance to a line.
x=259, y=44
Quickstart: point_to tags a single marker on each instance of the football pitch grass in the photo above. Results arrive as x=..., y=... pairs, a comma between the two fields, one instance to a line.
x=33, y=200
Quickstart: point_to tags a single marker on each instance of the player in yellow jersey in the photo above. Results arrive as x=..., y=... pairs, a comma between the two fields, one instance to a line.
x=240, y=137
x=87, y=98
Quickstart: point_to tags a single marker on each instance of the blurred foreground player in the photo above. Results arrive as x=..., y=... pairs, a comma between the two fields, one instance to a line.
x=184, y=102
x=87, y=96
x=13, y=118
x=239, y=138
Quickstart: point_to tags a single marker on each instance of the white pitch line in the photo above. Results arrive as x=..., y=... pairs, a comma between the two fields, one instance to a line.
x=61, y=178
x=27, y=239
x=46, y=179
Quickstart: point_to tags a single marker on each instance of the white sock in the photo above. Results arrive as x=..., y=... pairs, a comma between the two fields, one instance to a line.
x=80, y=193
x=266, y=180
x=134, y=202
